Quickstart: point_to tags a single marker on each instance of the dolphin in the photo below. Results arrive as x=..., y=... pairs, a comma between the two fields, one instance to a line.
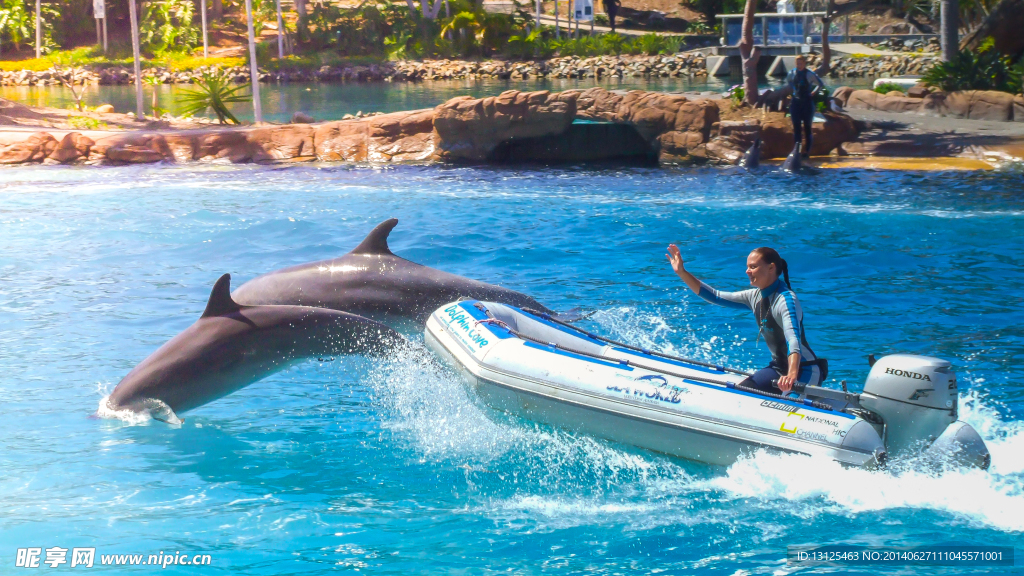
x=232, y=346
x=752, y=158
x=372, y=281
x=792, y=163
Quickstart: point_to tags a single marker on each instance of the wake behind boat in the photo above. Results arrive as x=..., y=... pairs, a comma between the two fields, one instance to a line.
x=538, y=367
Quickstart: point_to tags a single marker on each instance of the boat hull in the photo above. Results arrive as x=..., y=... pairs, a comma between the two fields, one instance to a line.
x=616, y=401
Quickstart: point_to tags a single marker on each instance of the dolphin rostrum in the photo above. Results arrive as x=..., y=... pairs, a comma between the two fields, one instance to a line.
x=371, y=280
x=792, y=163
x=752, y=158
x=232, y=346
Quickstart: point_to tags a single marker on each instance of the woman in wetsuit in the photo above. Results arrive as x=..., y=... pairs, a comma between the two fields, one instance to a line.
x=805, y=86
x=779, y=318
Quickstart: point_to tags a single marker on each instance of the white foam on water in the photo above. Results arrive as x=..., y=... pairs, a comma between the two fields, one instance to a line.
x=153, y=410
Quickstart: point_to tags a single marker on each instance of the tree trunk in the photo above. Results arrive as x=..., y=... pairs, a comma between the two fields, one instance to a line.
x=300, y=8
x=749, y=54
x=826, y=51
x=1004, y=24
x=218, y=9
x=949, y=29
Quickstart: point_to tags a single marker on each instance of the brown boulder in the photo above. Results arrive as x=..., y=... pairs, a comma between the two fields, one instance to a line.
x=678, y=145
x=1018, y=108
x=104, y=109
x=134, y=148
x=344, y=140
x=284, y=142
x=862, y=100
x=471, y=128
x=842, y=94
x=777, y=135
x=991, y=105
x=35, y=148
x=72, y=147
x=919, y=90
x=598, y=104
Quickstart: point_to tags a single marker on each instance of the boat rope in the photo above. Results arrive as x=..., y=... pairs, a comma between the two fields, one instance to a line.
x=718, y=367
x=657, y=369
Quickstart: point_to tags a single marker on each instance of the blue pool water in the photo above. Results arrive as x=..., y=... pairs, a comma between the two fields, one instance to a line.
x=391, y=468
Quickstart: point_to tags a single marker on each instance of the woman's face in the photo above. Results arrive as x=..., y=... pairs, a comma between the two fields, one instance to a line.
x=761, y=274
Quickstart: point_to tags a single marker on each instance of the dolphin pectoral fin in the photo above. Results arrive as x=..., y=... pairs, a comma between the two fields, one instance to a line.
x=376, y=242
x=220, y=302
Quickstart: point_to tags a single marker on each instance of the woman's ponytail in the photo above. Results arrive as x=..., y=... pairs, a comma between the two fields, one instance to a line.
x=770, y=256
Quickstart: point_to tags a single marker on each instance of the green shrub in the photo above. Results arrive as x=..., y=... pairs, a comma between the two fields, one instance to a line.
x=984, y=69
x=167, y=25
x=886, y=87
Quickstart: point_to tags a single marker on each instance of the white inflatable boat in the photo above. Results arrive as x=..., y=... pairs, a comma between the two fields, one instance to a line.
x=545, y=370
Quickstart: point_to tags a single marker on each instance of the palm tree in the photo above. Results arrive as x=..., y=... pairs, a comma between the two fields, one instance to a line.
x=254, y=74
x=133, y=13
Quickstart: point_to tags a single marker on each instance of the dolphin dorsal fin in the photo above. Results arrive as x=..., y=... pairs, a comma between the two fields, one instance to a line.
x=376, y=242
x=220, y=302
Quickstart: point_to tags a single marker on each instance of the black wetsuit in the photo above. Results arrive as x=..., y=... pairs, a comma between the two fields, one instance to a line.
x=801, y=106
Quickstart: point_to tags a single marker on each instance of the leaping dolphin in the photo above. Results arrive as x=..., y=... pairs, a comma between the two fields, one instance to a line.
x=232, y=346
x=752, y=158
x=371, y=280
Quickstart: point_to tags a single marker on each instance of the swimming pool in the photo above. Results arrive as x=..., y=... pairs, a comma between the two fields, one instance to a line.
x=392, y=468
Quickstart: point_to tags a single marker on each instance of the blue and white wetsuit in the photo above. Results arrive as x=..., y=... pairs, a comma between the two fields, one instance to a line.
x=780, y=321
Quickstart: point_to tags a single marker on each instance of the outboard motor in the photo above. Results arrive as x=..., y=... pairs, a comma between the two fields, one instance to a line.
x=916, y=398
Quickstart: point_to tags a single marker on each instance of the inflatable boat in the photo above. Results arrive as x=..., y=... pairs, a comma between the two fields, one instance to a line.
x=530, y=364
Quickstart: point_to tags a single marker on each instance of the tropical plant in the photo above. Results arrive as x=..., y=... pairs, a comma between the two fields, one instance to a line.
x=215, y=93
x=698, y=27
x=886, y=87
x=18, y=24
x=736, y=94
x=524, y=46
x=613, y=43
x=167, y=25
x=983, y=69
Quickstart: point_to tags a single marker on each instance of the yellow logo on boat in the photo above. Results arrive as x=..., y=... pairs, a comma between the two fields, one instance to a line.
x=793, y=431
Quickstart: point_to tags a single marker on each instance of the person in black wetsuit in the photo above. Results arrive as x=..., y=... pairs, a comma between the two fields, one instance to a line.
x=780, y=320
x=801, y=106
x=611, y=7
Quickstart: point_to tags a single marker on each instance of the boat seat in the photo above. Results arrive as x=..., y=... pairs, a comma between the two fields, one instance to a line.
x=531, y=327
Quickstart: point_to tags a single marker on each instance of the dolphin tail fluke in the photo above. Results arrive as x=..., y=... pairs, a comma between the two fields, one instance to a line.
x=376, y=242
x=220, y=302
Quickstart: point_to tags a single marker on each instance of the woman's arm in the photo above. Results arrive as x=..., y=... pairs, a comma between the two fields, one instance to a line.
x=786, y=381
x=740, y=300
x=676, y=260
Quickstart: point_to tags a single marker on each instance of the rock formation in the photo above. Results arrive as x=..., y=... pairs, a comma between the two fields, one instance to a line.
x=570, y=126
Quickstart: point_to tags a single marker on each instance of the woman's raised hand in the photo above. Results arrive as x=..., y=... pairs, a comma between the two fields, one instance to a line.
x=675, y=258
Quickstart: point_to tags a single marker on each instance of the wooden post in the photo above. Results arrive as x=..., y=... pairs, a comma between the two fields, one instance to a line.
x=39, y=26
x=99, y=33
x=104, y=34
x=538, y=14
x=206, y=43
x=280, y=30
x=764, y=30
x=254, y=74
x=133, y=14
x=558, y=25
x=846, y=28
